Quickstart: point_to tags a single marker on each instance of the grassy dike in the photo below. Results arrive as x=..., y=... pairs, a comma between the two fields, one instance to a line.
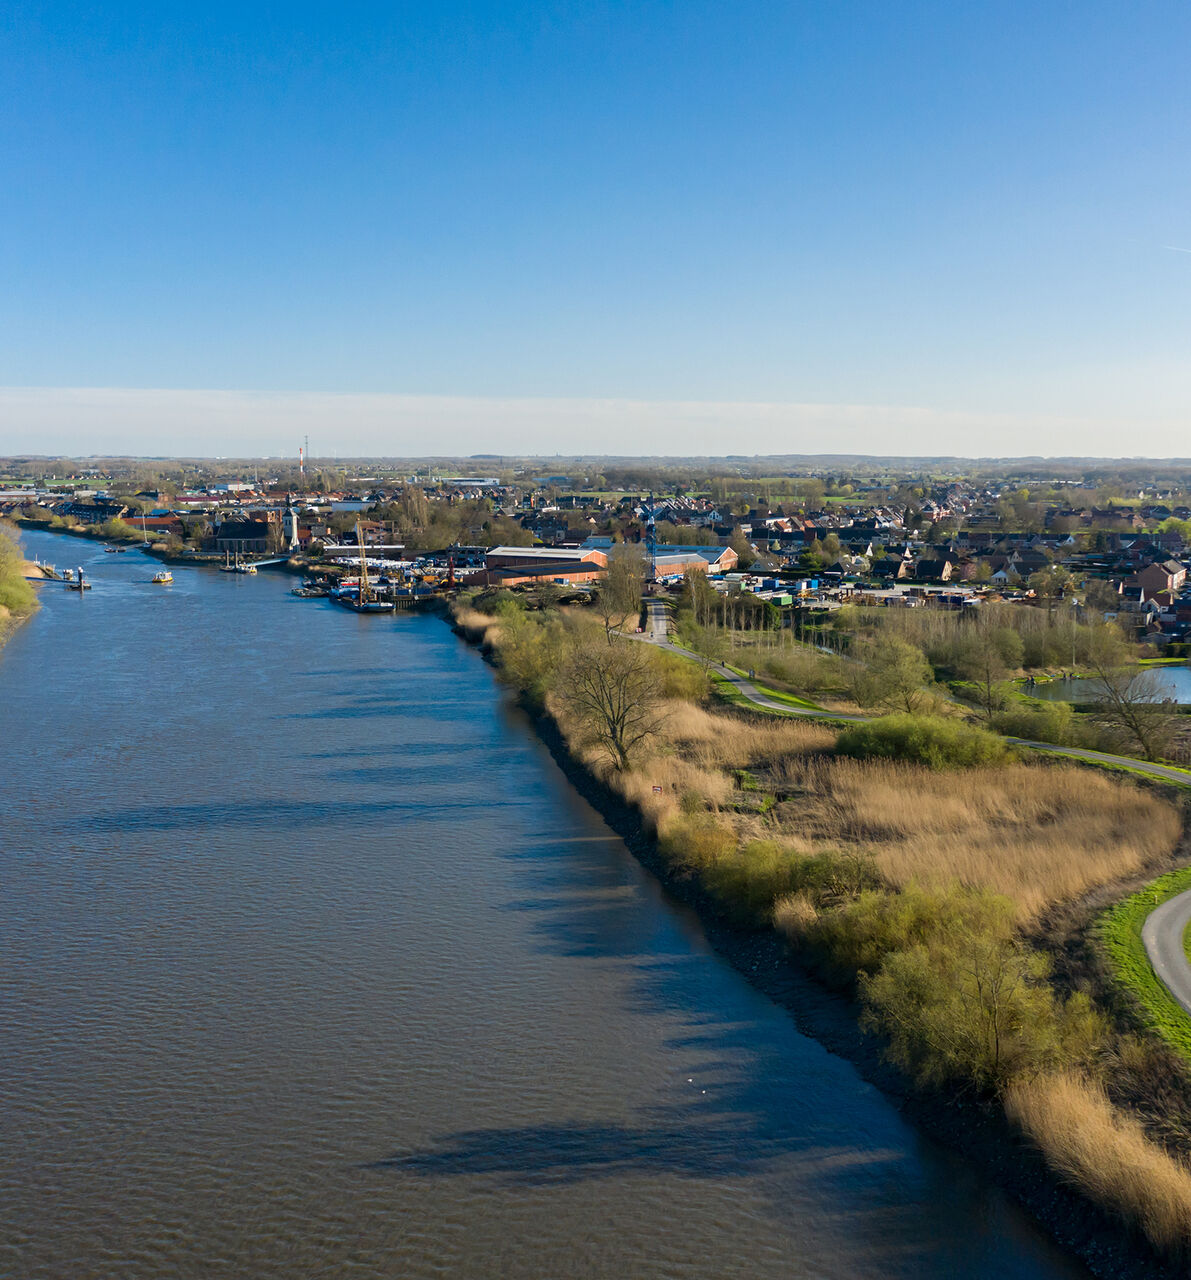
x=850, y=867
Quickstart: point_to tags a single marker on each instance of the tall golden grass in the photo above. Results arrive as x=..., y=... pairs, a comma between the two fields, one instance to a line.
x=1038, y=834
x=1107, y=1156
x=693, y=766
x=727, y=741
x=475, y=626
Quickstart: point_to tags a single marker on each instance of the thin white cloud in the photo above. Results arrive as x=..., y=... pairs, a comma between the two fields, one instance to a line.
x=204, y=423
x=1175, y=248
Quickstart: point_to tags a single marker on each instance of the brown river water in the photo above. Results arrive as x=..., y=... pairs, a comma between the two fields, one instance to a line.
x=312, y=964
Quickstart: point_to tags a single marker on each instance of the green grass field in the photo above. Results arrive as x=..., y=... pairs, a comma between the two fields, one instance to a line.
x=790, y=699
x=1119, y=933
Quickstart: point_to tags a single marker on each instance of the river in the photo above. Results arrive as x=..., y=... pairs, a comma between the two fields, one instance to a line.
x=314, y=965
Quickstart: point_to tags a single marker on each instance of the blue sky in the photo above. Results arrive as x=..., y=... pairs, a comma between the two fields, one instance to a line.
x=954, y=209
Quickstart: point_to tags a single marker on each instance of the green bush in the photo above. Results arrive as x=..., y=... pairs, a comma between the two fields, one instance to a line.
x=696, y=841
x=119, y=530
x=857, y=938
x=928, y=740
x=681, y=679
x=749, y=881
x=16, y=595
x=1051, y=722
x=947, y=981
x=976, y=1008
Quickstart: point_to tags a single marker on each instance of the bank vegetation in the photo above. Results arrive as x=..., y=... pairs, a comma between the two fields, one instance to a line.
x=17, y=598
x=908, y=862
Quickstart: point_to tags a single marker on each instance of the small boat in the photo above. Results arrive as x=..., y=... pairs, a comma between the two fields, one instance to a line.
x=245, y=568
x=163, y=575
x=350, y=601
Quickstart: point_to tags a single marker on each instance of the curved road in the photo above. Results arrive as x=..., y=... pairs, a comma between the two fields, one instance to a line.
x=1162, y=935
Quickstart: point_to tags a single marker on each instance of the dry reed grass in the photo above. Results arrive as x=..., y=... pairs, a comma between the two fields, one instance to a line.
x=727, y=741
x=475, y=626
x=1107, y=1155
x=1036, y=834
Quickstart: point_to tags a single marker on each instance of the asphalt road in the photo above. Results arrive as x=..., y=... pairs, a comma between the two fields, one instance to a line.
x=1162, y=935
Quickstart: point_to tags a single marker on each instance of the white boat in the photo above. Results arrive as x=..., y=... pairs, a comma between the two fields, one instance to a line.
x=163, y=575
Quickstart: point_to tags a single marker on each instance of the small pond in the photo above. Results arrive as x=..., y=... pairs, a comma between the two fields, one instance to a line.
x=1175, y=682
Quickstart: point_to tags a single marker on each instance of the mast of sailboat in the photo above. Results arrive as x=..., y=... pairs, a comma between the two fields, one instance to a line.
x=365, y=594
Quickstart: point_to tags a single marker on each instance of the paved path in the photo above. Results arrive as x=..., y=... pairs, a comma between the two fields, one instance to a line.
x=656, y=624
x=1161, y=771
x=656, y=632
x=1162, y=935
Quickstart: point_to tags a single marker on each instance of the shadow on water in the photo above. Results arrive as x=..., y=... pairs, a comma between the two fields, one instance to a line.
x=293, y=815
x=753, y=1101
x=364, y=709
x=677, y=1144
x=446, y=750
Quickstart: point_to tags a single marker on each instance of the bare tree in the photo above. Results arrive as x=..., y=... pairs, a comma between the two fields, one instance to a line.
x=615, y=692
x=620, y=587
x=1132, y=701
x=1139, y=709
x=705, y=600
x=986, y=659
